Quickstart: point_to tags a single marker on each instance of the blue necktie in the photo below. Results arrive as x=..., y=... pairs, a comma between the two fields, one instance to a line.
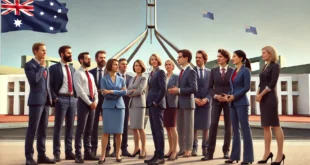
x=100, y=77
x=201, y=76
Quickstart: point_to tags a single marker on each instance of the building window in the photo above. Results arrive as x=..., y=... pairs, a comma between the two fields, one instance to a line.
x=22, y=86
x=283, y=85
x=10, y=105
x=253, y=88
x=21, y=105
x=11, y=87
x=295, y=105
x=253, y=105
x=295, y=86
x=284, y=104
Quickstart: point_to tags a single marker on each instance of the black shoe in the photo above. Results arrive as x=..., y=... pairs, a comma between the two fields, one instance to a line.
x=57, y=158
x=265, y=161
x=231, y=161
x=94, y=153
x=246, y=162
x=78, y=159
x=45, y=160
x=180, y=153
x=113, y=154
x=194, y=151
x=119, y=160
x=173, y=159
x=125, y=153
x=70, y=156
x=101, y=161
x=157, y=161
x=204, y=151
x=168, y=156
x=278, y=163
x=31, y=162
x=207, y=157
x=142, y=156
x=226, y=156
x=135, y=154
x=150, y=160
x=90, y=157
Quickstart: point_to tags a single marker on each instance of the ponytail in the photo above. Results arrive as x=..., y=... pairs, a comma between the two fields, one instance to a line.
x=247, y=63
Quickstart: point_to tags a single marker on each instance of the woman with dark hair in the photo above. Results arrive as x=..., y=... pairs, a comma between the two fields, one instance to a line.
x=238, y=101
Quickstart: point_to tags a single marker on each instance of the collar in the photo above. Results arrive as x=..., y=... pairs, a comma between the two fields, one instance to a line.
x=224, y=67
x=201, y=67
x=184, y=68
x=36, y=60
x=83, y=69
x=63, y=64
x=101, y=68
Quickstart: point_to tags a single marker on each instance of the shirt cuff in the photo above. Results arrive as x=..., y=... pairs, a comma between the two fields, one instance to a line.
x=215, y=96
x=268, y=89
x=179, y=91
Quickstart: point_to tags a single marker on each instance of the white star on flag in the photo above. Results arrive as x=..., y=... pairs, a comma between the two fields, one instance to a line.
x=41, y=13
x=18, y=22
x=51, y=28
x=59, y=11
x=51, y=4
x=55, y=16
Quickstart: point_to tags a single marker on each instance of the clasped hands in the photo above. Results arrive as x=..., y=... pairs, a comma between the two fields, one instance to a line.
x=225, y=98
x=201, y=102
x=174, y=90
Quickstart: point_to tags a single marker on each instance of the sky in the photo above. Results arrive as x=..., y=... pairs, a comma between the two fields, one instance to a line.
x=112, y=24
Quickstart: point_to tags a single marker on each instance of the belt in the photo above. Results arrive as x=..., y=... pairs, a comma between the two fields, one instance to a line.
x=65, y=95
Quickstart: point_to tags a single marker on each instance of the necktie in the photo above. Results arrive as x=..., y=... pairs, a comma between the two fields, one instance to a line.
x=152, y=73
x=69, y=79
x=100, y=77
x=181, y=74
x=90, y=86
x=223, y=73
x=45, y=73
x=201, y=75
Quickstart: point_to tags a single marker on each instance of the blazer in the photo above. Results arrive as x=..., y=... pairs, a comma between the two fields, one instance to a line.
x=188, y=86
x=113, y=101
x=94, y=73
x=172, y=100
x=157, y=89
x=56, y=79
x=217, y=86
x=137, y=98
x=39, y=94
x=128, y=78
x=269, y=77
x=240, y=86
x=203, y=89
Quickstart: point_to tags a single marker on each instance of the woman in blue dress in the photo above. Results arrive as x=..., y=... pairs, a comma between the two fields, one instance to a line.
x=113, y=87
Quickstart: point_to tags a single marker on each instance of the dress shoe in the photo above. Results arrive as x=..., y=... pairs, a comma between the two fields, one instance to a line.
x=45, y=160
x=157, y=161
x=70, y=156
x=78, y=159
x=125, y=153
x=265, y=161
x=168, y=156
x=226, y=156
x=119, y=160
x=204, y=151
x=57, y=158
x=113, y=154
x=173, y=159
x=246, y=162
x=194, y=152
x=101, y=161
x=90, y=157
x=180, y=153
x=31, y=162
x=207, y=157
x=150, y=160
x=135, y=154
x=142, y=156
x=94, y=153
x=278, y=163
x=231, y=161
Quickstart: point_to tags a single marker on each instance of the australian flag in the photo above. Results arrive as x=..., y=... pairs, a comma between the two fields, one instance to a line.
x=251, y=29
x=208, y=15
x=47, y=16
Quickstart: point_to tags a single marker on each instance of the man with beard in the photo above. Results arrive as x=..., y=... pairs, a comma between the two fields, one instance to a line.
x=86, y=90
x=98, y=73
x=63, y=97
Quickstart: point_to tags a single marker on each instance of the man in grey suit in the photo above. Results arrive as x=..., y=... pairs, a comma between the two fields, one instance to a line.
x=186, y=90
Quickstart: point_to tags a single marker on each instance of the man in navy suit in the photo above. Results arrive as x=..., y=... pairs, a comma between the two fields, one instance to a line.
x=63, y=97
x=98, y=73
x=38, y=102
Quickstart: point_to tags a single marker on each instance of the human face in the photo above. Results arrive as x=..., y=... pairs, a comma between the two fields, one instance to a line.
x=199, y=60
x=67, y=56
x=123, y=66
x=154, y=62
x=265, y=55
x=40, y=53
x=138, y=68
x=86, y=61
x=115, y=66
x=221, y=59
x=181, y=60
x=236, y=59
x=101, y=60
x=169, y=66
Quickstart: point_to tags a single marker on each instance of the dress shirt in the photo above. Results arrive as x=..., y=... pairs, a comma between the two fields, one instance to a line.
x=65, y=88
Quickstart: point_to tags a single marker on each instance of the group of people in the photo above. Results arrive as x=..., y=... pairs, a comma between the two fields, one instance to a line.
x=183, y=104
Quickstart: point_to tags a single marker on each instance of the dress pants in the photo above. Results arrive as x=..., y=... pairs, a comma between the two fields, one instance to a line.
x=157, y=126
x=185, y=126
x=65, y=107
x=98, y=113
x=37, y=123
x=215, y=116
x=240, y=115
x=85, y=120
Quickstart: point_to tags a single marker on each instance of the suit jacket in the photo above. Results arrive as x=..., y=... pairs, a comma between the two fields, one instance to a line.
x=172, y=100
x=240, y=86
x=188, y=86
x=157, y=89
x=126, y=98
x=217, y=86
x=56, y=79
x=113, y=101
x=203, y=87
x=39, y=94
x=137, y=98
x=94, y=73
x=269, y=77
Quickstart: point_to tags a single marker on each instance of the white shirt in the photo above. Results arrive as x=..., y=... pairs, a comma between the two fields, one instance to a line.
x=80, y=81
x=203, y=72
x=226, y=67
x=65, y=85
x=98, y=72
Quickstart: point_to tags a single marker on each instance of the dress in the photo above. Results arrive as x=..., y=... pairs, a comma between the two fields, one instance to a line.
x=269, y=102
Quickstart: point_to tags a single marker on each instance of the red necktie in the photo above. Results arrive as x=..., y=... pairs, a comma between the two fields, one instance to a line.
x=69, y=79
x=45, y=74
x=181, y=74
x=90, y=86
x=223, y=73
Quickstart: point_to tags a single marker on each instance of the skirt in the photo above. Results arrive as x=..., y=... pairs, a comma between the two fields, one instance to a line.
x=137, y=116
x=269, y=110
x=202, y=118
x=113, y=121
x=170, y=116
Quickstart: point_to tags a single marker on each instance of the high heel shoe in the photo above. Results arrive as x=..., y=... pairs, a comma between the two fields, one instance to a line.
x=135, y=154
x=119, y=160
x=168, y=156
x=278, y=163
x=231, y=161
x=246, y=162
x=101, y=161
x=265, y=161
x=173, y=159
x=142, y=157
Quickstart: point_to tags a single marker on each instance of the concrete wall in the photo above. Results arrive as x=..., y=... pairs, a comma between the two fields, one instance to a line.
x=304, y=94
